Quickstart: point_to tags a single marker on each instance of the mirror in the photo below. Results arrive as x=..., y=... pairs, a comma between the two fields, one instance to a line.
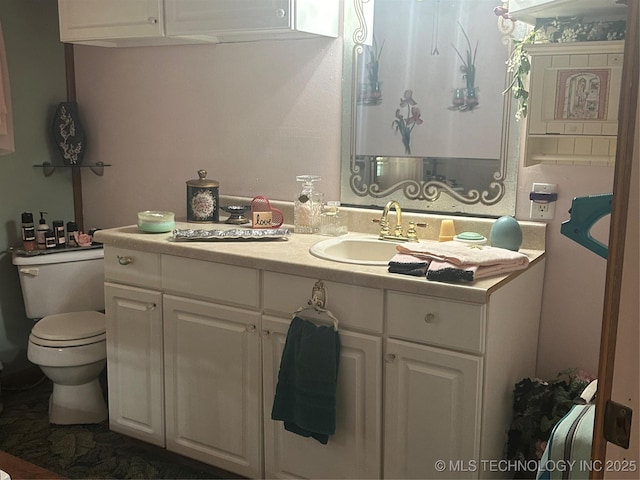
x=424, y=118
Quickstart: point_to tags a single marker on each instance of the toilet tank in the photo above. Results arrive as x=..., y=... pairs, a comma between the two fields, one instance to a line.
x=60, y=282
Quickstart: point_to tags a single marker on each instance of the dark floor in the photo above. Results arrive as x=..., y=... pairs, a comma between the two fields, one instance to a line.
x=84, y=451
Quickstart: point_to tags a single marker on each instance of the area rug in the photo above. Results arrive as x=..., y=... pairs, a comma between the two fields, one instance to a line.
x=85, y=451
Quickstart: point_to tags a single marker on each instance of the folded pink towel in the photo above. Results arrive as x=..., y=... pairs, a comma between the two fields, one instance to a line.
x=462, y=254
x=447, y=272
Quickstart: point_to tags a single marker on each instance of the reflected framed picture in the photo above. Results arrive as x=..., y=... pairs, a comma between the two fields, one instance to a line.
x=582, y=94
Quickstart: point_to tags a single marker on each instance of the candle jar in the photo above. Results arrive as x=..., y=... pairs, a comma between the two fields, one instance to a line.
x=202, y=199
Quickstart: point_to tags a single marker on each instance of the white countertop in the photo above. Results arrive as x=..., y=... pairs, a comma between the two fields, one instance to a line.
x=291, y=256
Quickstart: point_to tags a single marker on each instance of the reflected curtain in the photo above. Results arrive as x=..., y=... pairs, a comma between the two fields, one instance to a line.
x=6, y=118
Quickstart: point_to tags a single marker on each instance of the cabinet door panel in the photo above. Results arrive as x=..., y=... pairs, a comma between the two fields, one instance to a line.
x=97, y=19
x=432, y=411
x=188, y=17
x=134, y=362
x=354, y=450
x=212, y=375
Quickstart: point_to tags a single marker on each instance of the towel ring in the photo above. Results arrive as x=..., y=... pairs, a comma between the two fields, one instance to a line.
x=318, y=302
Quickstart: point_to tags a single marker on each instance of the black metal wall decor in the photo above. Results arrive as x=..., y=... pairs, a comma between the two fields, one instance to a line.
x=68, y=133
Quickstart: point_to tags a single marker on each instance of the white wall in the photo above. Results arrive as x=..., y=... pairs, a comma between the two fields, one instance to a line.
x=255, y=116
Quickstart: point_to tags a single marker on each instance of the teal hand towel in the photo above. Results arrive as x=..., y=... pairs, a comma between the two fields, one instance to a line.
x=305, y=398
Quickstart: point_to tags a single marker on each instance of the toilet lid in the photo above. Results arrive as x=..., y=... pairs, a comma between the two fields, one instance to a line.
x=70, y=326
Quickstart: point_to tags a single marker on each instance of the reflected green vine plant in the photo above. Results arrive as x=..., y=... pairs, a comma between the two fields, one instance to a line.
x=519, y=66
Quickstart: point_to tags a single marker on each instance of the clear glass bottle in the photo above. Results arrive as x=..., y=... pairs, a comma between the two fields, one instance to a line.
x=333, y=220
x=307, y=206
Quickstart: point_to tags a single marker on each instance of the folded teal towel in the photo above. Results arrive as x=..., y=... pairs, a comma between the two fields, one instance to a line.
x=305, y=396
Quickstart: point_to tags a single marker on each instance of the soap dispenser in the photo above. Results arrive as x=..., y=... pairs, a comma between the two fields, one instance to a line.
x=307, y=206
x=41, y=232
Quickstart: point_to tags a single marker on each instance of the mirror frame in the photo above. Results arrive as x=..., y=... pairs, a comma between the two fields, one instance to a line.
x=426, y=196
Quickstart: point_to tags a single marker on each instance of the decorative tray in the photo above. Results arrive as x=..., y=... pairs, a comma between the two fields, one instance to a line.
x=23, y=253
x=231, y=234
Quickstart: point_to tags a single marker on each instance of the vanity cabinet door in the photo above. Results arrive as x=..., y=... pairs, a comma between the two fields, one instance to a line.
x=97, y=19
x=354, y=450
x=432, y=412
x=213, y=386
x=134, y=362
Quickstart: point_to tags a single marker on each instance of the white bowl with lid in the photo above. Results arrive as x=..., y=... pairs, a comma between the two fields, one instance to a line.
x=154, y=221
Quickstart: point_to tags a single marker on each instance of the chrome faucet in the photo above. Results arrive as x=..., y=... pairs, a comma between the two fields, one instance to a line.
x=398, y=233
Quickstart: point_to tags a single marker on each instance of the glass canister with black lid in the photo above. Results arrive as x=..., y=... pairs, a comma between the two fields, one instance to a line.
x=202, y=199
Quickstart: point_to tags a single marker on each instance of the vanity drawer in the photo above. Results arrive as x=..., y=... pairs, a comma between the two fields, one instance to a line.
x=209, y=280
x=353, y=306
x=132, y=267
x=435, y=321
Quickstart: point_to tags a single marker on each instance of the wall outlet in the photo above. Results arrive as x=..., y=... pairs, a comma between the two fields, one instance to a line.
x=540, y=210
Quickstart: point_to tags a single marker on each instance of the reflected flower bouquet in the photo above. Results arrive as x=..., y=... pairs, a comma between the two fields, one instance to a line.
x=406, y=125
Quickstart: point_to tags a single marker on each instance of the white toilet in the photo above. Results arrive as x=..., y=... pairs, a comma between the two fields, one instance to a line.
x=65, y=291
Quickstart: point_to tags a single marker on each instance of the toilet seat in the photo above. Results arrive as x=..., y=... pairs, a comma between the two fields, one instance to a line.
x=71, y=329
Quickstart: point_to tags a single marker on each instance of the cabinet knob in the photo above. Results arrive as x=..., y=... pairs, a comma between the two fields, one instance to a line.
x=390, y=357
x=266, y=333
x=152, y=20
x=281, y=13
x=251, y=328
x=429, y=317
x=151, y=306
x=124, y=260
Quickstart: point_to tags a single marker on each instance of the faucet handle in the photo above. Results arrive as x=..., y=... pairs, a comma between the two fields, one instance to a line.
x=384, y=227
x=412, y=231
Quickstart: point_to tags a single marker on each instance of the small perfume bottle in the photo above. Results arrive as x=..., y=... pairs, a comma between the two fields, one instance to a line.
x=333, y=220
x=307, y=206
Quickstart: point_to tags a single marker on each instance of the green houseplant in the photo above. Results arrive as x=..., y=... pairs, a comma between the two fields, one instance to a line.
x=537, y=407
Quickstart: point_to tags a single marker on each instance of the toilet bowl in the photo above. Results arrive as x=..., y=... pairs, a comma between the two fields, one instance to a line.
x=68, y=343
x=70, y=349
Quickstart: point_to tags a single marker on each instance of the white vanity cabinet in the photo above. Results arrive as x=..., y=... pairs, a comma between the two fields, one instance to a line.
x=355, y=449
x=212, y=363
x=433, y=386
x=117, y=23
x=184, y=360
x=450, y=369
x=426, y=370
x=133, y=306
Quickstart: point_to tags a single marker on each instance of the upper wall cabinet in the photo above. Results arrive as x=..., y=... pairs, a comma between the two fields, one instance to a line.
x=573, y=103
x=119, y=23
x=530, y=10
x=113, y=23
x=234, y=21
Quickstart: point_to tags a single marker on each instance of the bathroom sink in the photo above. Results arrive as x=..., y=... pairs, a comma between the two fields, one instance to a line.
x=358, y=250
